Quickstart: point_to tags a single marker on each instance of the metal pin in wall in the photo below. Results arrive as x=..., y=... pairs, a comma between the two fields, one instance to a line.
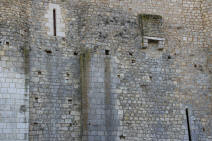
x=188, y=125
x=54, y=22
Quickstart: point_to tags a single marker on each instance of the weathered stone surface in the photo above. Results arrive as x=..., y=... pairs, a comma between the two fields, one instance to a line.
x=103, y=77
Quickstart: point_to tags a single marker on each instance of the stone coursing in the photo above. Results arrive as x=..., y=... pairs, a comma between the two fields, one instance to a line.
x=14, y=62
x=96, y=81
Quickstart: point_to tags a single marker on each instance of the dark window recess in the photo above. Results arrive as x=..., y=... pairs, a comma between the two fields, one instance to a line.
x=107, y=52
x=188, y=125
x=54, y=22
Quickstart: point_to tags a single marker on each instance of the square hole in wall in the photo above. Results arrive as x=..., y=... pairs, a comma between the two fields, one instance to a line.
x=7, y=43
x=150, y=41
x=107, y=52
x=153, y=43
x=151, y=25
x=70, y=101
x=75, y=53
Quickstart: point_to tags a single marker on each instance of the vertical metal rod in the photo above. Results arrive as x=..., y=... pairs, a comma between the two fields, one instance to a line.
x=54, y=22
x=188, y=125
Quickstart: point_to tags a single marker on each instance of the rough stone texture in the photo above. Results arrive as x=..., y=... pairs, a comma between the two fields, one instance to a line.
x=14, y=60
x=100, y=113
x=55, y=98
x=100, y=79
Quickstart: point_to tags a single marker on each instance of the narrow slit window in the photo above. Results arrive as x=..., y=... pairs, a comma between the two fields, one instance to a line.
x=54, y=22
x=188, y=125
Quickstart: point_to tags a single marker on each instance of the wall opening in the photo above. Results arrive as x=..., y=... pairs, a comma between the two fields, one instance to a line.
x=153, y=43
x=55, y=25
x=122, y=137
x=169, y=57
x=133, y=61
x=107, y=52
x=188, y=125
x=54, y=22
x=150, y=41
x=7, y=43
x=48, y=51
x=69, y=101
x=39, y=72
x=75, y=53
x=36, y=99
x=130, y=53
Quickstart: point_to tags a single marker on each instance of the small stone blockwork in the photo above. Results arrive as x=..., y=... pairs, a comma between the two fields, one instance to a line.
x=105, y=70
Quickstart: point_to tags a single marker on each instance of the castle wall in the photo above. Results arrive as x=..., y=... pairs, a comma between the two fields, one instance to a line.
x=14, y=60
x=165, y=83
x=101, y=78
x=142, y=85
x=161, y=83
x=55, y=98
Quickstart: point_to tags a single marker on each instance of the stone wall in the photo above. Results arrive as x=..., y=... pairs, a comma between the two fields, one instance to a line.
x=155, y=86
x=100, y=78
x=14, y=62
x=55, y=100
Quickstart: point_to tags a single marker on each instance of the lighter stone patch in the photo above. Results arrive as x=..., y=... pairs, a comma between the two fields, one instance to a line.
x=60, y=25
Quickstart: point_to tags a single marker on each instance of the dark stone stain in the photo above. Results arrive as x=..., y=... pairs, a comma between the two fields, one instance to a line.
x=23, y=109
x=67, y=74
x=102, y=36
